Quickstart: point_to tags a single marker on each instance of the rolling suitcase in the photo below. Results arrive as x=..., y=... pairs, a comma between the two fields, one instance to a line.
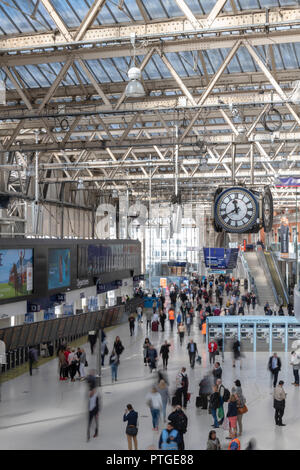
x=154, y=326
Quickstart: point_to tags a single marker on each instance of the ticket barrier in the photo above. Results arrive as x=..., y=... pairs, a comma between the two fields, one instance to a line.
x=293, y=332
x=215, y=331
x=278, y=337
x=231, y=331
x=247, y=332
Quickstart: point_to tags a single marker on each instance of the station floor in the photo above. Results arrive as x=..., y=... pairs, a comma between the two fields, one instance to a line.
x=42, y=413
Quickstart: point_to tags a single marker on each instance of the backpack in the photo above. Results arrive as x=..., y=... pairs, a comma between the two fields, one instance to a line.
x=226, y=395
x=181, y=423
x=184, y=381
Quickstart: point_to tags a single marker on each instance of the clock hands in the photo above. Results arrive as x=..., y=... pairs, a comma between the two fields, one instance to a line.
x=236, y=208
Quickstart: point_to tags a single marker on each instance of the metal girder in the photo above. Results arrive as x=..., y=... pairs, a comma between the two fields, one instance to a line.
x=197, y=24
x=242, y=22
x=211, y=85
x=170, y=176
x=178, y=80
x=150, y=142
x=89, y=19
x=94, y=82
x=55, y=84
x=57, y=20
x=18, y=87
x=215, y=11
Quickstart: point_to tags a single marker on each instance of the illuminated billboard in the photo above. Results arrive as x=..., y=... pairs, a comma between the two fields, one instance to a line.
x=16, y=278
x=59, y=268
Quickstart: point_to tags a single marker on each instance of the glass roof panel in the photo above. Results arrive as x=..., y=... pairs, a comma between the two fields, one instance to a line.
x=288, y=55
x=35, y=82
x=155, y=9
x=97, y=70
x=176, y=63
x=194, y=5
x=66, y=13
x=120, y=16
x=172, y=8
x=248, y=4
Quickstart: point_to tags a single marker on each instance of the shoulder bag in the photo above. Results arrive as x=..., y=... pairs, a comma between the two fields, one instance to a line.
x=131, y=430
x=242, y=410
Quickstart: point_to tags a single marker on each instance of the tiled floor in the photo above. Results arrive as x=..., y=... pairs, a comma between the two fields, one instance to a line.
x=40, y=412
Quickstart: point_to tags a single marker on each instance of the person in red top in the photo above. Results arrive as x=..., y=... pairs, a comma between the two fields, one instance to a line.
x=212, y=348
x=67, y=351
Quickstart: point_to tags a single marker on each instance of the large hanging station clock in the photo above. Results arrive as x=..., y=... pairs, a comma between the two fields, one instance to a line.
x=242, y=210
x=236, y=210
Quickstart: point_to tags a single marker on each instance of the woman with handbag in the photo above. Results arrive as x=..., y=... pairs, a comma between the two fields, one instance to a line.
x=241, y=405
x=114, y=364
x=131, y=417
x=232, y=416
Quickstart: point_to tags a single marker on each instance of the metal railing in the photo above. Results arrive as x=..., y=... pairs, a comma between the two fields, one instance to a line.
x=19, y=338
x=263, y=264
x=251, y=281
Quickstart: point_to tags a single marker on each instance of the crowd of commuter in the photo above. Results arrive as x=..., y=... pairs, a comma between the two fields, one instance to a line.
x=184, y=309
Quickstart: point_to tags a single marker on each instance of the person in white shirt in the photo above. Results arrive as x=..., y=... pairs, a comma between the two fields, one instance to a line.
x=154, y=401
x=72, y=361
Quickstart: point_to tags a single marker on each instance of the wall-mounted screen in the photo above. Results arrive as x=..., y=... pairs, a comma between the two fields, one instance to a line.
x=16, y=273
x=59, y=268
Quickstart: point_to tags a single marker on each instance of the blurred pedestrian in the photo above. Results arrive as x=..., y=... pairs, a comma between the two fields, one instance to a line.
x=163, y=390
x=182, y=384
x=154, y=401
x=181, y=331
x=241, y=405
x=164, y=353
x=146, y=347
x=192, y=350
x=217, y=372
x=32, y=357
x=118, y=347
x=232, y=416
x=212, y=348
x=114, y=364
x=152, y=357
x=179, y=421
x=94, y=408
x=131, y=320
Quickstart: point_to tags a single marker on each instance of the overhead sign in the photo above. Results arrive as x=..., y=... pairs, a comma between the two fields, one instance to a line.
x=221, y=258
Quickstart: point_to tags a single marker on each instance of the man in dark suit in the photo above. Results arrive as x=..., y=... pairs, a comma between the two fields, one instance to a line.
x=274, y=367
x=193, y=350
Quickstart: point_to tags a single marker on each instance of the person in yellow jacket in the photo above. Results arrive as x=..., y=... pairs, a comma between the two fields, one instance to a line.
x=234, y=444
x=203, y=331
x=171, y=317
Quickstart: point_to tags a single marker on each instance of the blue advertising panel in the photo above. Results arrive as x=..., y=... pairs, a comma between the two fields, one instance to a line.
x=16, y=278
x=221, y=258
x=59, y=267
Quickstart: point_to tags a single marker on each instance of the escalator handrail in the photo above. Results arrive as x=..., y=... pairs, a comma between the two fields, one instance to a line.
x=284, y=289
x=264, y=265
x=251, y=281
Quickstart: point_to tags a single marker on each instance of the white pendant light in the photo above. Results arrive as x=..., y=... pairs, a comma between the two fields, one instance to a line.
x=134, y=88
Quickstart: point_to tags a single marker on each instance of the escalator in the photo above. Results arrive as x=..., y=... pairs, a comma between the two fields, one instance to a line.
x=277, y=280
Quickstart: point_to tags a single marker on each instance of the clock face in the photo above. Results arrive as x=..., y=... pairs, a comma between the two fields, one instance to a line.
x=236, y=210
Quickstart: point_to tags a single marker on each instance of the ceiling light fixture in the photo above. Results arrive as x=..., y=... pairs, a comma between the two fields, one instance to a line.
x=134, y=88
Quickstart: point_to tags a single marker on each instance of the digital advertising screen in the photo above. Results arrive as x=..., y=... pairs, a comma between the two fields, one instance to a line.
x=16, y=278
x=59, y=268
